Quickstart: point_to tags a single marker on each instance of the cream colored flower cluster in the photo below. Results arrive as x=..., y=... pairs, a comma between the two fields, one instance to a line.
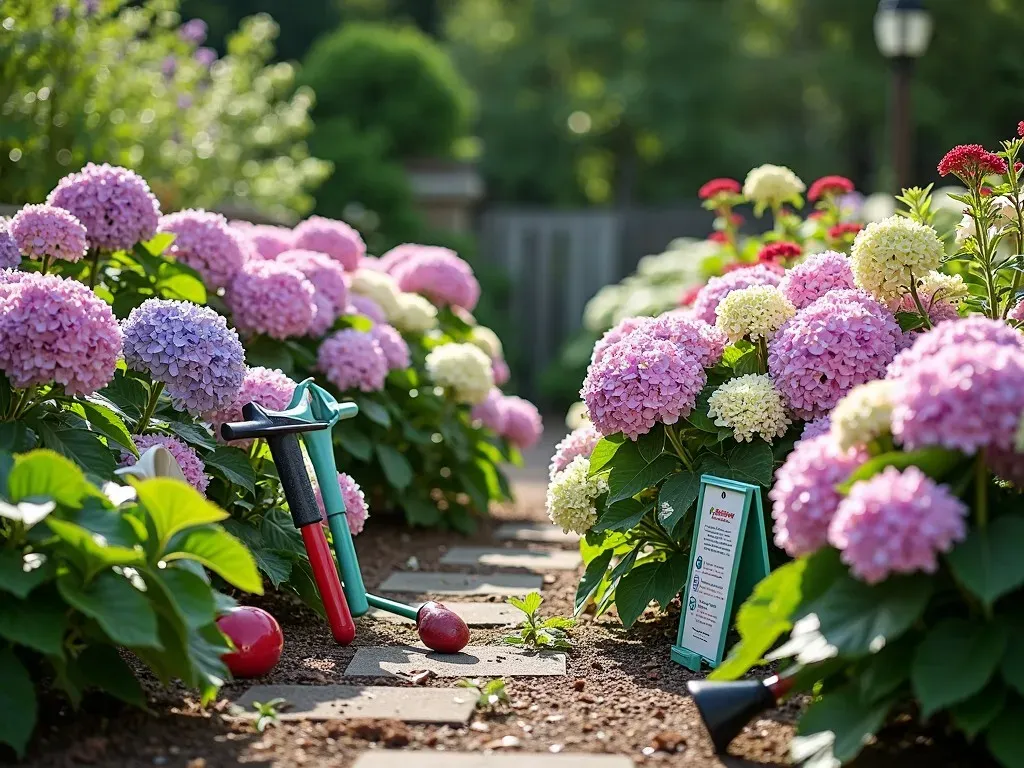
x=749, y=405
x=462, y=368
x=756, y=312
x=487, y=340
x=381, y=288
x=571, y=496
x=415, y=314
x=887, y=252
x=863, y=415
x=940, y=287
x=768, y=186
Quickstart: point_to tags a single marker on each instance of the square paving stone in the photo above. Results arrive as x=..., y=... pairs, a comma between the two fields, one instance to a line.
x=433, y=759
x=474, y=614
x=424, y=583
x=538, y=561
x=346, y=702
x=473, y=661
x=545, y=533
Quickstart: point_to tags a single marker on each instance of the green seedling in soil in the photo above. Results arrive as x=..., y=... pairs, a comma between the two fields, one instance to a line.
x=267, y=713
x=536, y=632
x=490, y=695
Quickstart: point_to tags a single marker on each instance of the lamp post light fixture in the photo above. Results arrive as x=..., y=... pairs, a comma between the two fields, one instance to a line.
x=903, y=29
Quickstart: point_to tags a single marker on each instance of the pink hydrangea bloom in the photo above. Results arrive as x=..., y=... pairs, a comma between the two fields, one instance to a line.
x=361, y=305
x=615, y=334
x=113, y=203
x=267, y=297
x=804, y=497
x=191, y=465
x=266, y=240
x=353, y=359
x=324, y=316
x=205, y=242
x=579, y=442
x=523, y=425
x=1017, y=313
x=896, y=522
x=500, y=371
x=396, y=351
x=441, y=276
x=966, y=397
x=843, y=339
x=356, y=510
x=10, y=256
x=335, y=238
x=490, y=413
x=718, y=288
x=268, y=387
x=706, y=342
x=42, y=231
x=820, y=426
x=816, y=276
x=399, y=255
x=969, y=330
x=56, y=330
x=326, y=275
x=640, y=382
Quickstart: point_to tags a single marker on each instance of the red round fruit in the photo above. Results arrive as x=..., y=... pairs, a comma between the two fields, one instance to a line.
x=441, y=629
x=257, y=638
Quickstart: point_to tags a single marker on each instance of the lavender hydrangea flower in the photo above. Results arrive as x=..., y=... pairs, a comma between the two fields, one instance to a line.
x=367, y=307
x=718, y=288
x=187, y=348
x=10, y=256
x=193, y=31
x=523, y=424
x=615, y=334
x=56, y=330
x=356, y=511
x=490, y=413
x=271, y=298
x=335, y=238
x=205, y=57
x=694, y=336
x=267, y=241
x=441, y=276
x=205, y=242
x=396, y=351
x=191, y=465
x=326, y=275
x=353, y=359
x=820, y=426
x=268, y=387
x=970, y=330
x=113, y=203
x=579, y=442
x=46, y=232
x=816, y=276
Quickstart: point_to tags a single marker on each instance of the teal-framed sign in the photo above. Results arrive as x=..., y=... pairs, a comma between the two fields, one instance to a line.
x=728, y=557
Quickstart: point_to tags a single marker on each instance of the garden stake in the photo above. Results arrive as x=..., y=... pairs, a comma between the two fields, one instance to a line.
x=280, y=430
x=439, y=628
x=726, y=707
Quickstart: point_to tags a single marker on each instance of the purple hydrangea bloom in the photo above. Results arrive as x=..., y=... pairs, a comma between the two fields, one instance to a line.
x=843, y=339
x=271, y=298
x=44, y=231
x=896, y=522
x=193, y=31
x=523, y=425
x=169, y=67
x=356, y=510
x=706, y=342
x=326, y=275
x=205, y=242
x=267, y=241
x=804, y=496
x=323, y=317
x=969, y=330
x=441, y=276
x=361, y=305
x=335, y=238
x=615, y=334
x=353, y=359
x=966, y=397
x=500, y=371
x=640, y=382
x=113, y=203
x=490, y=413
x=10, y=256
x=187, y=348
x=268, y=387
x=56, y=330
x=205, y=57
x=718, y=288
x=816, y=276
x=579, y=442
x=820, y=426
x=396, y=351
x=191, y=465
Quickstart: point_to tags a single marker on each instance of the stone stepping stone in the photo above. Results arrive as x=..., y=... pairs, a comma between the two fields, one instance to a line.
x=474, y=614
x=544, y=533
x=473, y=661
x=385, y=758
x=425, y=583
x=346, y=702
x=538, y=561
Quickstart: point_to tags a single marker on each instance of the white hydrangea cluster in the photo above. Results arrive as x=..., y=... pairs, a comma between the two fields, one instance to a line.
x=863, y=415
x=462, y=368
x=768, y=186
x=756, y=312
x=571, y=496
x=887, y=252
x=415, y=314
x=577, y=416
x=750, y=405
x=381, y=288
x=488, y=341
x=940, y=287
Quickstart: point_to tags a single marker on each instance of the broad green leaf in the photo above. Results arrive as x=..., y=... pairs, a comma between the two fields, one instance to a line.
x=302, y=584
x=45, y=474
x=83, y=447
x=20, y=574
x=934, y=461
x=1012, y=666
x=266, y=352
x=989, y=561
x=233, y=465
x=605, y=451
x=977, y=713
x=275, y=567
x=747, y=363
x=1005, y=737
x=634, y=593
x=420, y=511
x=955, y=660
x=90, y=551
x=621, y=516
x=159, y=243
x=887, y=670
x=189, y=595
x=206, y=647
x=848, y=717
x=119, y=608
x=222, y=553
x=174, y=506
x=128, y=393
x=105, y=421
x=17, y=702
x=753, y=461
x=628, y=478
x=651, y=445
x=16, y=437
x=670, y=578
x=676, y=497
x=193, y=434
x=374, y=411
x=102, y=667
x=396, y=467
x=591, y=579
x=180, y=284
x=278, y=532
x=36, y=623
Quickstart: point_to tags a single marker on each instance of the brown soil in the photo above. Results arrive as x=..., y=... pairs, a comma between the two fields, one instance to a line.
x=622, y=695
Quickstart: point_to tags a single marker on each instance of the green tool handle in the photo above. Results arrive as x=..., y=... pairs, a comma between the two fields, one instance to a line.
x=399, y=609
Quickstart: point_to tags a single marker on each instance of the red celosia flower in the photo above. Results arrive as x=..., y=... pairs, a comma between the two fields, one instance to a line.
x=1018, y=167
x=969, y=161
x=829, y=185
x=718, y=237
x=690, y=295
x=839, y=231
x=985, y=191
x=777, y=253
x=1020, y=129
x=737, y=220
x=719, y=187
x=814, y=215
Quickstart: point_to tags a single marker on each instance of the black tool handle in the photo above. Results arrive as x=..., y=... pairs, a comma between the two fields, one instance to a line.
x=260, y=422
x=294, y=479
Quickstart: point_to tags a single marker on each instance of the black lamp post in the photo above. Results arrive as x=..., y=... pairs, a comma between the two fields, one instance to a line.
x=903, y=29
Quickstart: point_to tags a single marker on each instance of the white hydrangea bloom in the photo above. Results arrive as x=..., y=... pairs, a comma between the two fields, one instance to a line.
x=577, y=416
x=488, y=341
x=381, y=288
x=415, y=314
x=750, y=405
x=772, y=185
x=756, y=312
x=864, y=414
x=887, y=252
x=941, y=287
x=571, y=496
x=462, y=368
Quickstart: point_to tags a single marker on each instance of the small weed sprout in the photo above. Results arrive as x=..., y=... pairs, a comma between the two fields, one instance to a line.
x=491, y=695
x=538, y=633
x=267, y=713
